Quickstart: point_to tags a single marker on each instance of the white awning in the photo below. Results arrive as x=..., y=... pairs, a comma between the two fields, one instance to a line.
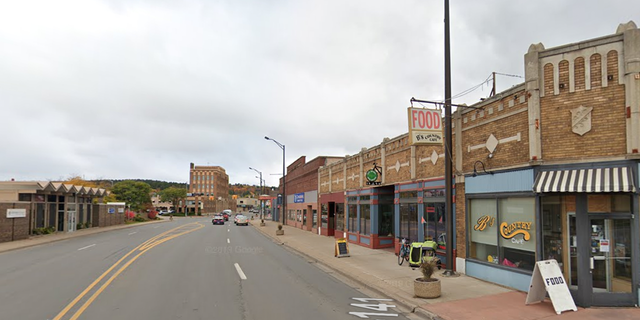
x=585, y=180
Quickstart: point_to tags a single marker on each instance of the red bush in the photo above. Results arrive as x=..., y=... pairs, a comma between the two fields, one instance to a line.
x=152, y=214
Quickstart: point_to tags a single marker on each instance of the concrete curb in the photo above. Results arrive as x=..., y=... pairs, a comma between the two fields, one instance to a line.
x=96, y=230
x=416, y=310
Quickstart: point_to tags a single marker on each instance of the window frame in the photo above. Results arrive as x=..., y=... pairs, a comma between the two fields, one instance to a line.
x=497, y=198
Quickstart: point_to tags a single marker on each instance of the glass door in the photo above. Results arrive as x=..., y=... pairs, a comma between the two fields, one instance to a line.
x=611, y=260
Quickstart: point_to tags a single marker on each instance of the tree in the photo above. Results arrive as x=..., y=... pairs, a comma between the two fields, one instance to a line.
x=77, y=180
x=134, y=193
x=173, y=195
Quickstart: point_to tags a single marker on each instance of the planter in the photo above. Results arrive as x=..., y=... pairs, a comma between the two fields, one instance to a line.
x=427, y=289
x=262, y=224
x=279, y=232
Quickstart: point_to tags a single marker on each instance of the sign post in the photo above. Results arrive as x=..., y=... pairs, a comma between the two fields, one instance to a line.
x=547, y=277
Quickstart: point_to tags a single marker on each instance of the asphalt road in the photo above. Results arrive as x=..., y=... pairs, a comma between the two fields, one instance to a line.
x=185, y=269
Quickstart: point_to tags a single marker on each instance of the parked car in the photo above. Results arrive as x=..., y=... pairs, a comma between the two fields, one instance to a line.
x=242, y=220
x=163, y=212
x=218, y=219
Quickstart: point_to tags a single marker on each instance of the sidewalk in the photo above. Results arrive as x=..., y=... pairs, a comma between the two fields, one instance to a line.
x=48, y=238
x=462, y=297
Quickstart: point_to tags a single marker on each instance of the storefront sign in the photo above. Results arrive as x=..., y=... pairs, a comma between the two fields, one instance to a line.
x=298, y=197
x=374, y=175
x=483, y=221
x=16, y=213
x=547, y=276
x=425, y=126
x=342, y=248
x=509, y=231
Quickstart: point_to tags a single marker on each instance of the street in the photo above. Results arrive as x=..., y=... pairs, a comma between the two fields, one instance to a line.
x=185, y=269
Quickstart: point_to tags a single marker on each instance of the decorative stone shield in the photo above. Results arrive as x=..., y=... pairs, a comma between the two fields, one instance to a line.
x=581, y=120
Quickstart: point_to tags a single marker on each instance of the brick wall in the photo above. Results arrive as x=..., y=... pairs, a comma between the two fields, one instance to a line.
x=507, y=120
x=103, y=218
x=353, y=174
x=461, y=221
x=12, y=229
x=397, y=165
x=303, y=176
x=424, y=166
x=607, y=136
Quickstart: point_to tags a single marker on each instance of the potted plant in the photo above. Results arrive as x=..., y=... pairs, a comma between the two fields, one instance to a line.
x=279, y=232
x=427, y=286
x=262, y=223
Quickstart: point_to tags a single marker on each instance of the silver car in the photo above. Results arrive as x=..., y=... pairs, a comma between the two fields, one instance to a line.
x=241, y=220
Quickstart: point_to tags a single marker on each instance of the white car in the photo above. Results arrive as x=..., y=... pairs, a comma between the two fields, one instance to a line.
x=241, y=220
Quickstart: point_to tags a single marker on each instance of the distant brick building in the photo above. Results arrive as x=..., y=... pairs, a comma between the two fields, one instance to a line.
x=208, y=190
x=302, y=192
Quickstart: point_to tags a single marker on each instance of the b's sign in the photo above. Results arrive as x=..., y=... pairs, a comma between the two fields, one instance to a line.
x=425, y=126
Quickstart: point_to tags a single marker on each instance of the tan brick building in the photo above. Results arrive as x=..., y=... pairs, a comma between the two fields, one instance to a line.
x=545, y=170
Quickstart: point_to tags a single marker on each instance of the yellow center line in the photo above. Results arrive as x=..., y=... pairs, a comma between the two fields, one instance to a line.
x=144, y=247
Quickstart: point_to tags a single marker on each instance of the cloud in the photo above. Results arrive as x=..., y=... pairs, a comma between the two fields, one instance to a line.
x=139, y=89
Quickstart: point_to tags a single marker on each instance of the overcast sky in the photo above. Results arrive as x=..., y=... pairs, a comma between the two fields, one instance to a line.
x=140, y=89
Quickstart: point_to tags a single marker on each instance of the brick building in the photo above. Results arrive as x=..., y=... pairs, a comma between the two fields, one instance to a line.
x=302, y=192
x=30, y=207
x=545, y=170
x=208, y=190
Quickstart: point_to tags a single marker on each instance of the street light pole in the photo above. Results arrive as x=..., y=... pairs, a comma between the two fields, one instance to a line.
x=284, y=180
x=261, y=210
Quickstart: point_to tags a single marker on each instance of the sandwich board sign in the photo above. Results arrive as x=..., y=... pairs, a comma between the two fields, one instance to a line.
x=547, y=277
x=342, y=248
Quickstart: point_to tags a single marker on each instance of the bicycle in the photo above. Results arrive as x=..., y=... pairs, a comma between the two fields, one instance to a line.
x=404, y=251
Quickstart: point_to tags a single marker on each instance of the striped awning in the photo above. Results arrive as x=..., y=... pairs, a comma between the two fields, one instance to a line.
x=585, y=180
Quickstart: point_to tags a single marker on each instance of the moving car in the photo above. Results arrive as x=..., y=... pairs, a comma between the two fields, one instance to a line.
x=226, y=213
x=218, y=219
x=242, y=220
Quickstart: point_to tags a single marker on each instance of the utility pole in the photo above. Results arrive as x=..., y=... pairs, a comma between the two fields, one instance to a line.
x=448, y=172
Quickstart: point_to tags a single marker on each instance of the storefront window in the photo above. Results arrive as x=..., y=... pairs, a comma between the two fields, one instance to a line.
x=559, y=239
x=353, y=218
x=517, y=232
x=435, y=226
x=512, y=221
x=409, y=221
x=483, y=230
x=340, y=216
x=385, y=225
x=324, y=211
x=365, y=219
x=315, y=218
